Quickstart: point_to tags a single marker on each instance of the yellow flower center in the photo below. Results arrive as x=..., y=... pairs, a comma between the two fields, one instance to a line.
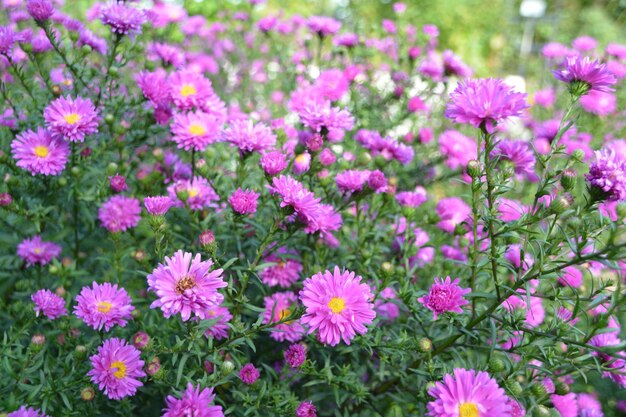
x=41, y=151
x=104, y=306
x=468, y=410
x=67, y=82
x=37, y=251
x=120, y=369
x=197, y=130
x=71, y=118
x=301, y=159
x=284, y=313
x=188, y=90
x=337, y=305
x=193, y=191
x=185, y=283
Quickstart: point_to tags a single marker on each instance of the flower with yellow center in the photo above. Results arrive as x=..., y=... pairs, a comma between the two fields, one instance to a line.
x=284, y=313
x=72, y=118
x=120, y=369
x=337, y=304
x=468, y=410
x=193, y=191
x=188, y=90
x=185, y=283
x=41, y=151
x=196, y=129
x=104, y=306
x=38, y=251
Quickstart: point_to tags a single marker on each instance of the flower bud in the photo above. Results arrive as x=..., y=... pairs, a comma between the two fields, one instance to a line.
x=85, y=49
x=87, y=394
x=387, y=268
x=538, y=390
x=541, y=411
x=514, y=387
x=227, y=367
x=425, y=345
x=209, y=367
x=496, y=365
x=561, y=388
x=112, y=168
x=154, y=366
x=118, y=183
x=568, y=179
x=80, y=351
x=561, y=203
x=579, y=155
x=56, y=90
x=141, y=340
x=37, y=342
x=5, y=199
x=473, y=168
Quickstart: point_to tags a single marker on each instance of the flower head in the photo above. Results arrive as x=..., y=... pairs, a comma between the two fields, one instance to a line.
x=71, y=119
x=194, y=402
x=484, y=102
x=273, y=162
x=8, y=38
x=157, y=206
x=189, y=89
x=295, y=355
x=249, y=374
x=36, y=251
x=306, y=409
x=467, y=393
x=185, y=285
x=323, y=25
x=40, y=10
x=352, y=180
x=115, y=369
x=39, y=153
x=583, y=75
x=608, y=175
x=27, y=412
x=249, y=137
x=195, y=130
x=122, y=18
x=220, y=329
x=519, y=154
x=104, y=305
x=197, y=193
x=120, y=213
x=244, y=202
x=337, y=305
x=443, y=296
x=48, y=303
x=284, y=273
x=279, y=306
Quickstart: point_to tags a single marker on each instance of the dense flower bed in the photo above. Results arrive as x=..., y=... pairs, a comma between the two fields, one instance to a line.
x=259, y=215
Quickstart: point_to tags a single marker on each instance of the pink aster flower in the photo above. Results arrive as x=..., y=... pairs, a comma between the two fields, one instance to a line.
x=337, y=305
x=452, y=211
x=457, y=148
x=157, y=206
x=122, y=18
x=566, y=405
x=598, y=102
x=8, y=38
x=195, y=130
x=197, y=193
x=249, y=374
x=71, y=119
x=116, y=367
x=104, y=305
x=273, y=162
x=323, y=25
x=352, y=180
x=445, y=295
x=220, y=329
x=27, y=412
x=295, y=355
x=583, y=74
x=306, y=409
x=120, y=213
x=484, y=103
x=332, y=84
x=48, y=303
x=321, y=115
x=412, y=198
x=519, y=154
x=467, y=393
x=39, y=153
x=40, y=10
x=284, y=273
x=189, y=89
x=607, y=176
x=278, y=306
x=154, y=86
x=185, y=285
x=36, y=251
x=244, y=202
x=193, y=402
x=249, y=137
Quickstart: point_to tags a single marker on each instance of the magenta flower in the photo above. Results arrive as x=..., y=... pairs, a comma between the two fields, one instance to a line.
x=39, y=153
x=120, y=213
x=323, y=25
x=452, y=211
x=412, y=198
x=468, y=394
x=337, y=305
x=566, y=405
x=583, y=75
x=40, y=10
x=48, y=303
x=71, y=119
x=352, y=180
x=273, y=162
x=36, y=251
x=445, y=296
x=306, y=409
x=188, y=89
x=249, y=137
x=118, y=183
x=193, y=402
x=295, y=355
x=8, y=38
x=220, y=329
x=249, y=374
x=27, y=412
x=157, y=206
x=332, y=84
x=195, y=130
x=286, y=271
x=608, y=175
x=320, y=116
x=519, y=154
x=244, y=202
x=279, y=306
x=104, y=305
x=484, y=103
x=457, y=148
x=122, y=18
x=154, y=86
x=186, y=286
x=115, y=369
x=197, y=193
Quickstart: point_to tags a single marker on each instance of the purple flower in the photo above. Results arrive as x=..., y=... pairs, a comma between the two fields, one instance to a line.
x=249, y=374
x=452, y=211
x=157, y=206
x=122, y=19
x=377, y=181
x=193, y=402
x=7, y=40
x=197, y=193
x=71, y=119
x=323, y=25
x=104, y=305
x=195, y=130
x=583, y=75
x=443, y=296
x=249, y=137
x=40, y=10
x=27, y=412
x=273, y=162
x=48, y=303
x=608, y=175
x=352, y=180
x=412, y=198
x=320, y=116
x=519, y=154
x=120, y=213
x=457, y=148
x=116, y=369
x=295, y=355
x=286, y=271
x=40, y=153
x=484, y=103
x=36, y=251
x=219, y=330
x=306, y=409
x=118, y=183
x=278, y=307
x=244, y=202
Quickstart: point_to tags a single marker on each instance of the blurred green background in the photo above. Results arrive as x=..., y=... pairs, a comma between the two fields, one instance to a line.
x=487, y=34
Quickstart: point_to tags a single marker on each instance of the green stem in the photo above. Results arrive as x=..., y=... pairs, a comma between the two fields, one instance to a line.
x=53, y=41
x=492, y=208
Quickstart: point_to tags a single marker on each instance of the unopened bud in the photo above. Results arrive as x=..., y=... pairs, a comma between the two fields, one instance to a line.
x=227, y=367
x=579, y=155
x=425, y=344
x=473, y=168
x=496, y=365
x=561, y=388
x=568, y=179
x=87, y=394
x=541, y=411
